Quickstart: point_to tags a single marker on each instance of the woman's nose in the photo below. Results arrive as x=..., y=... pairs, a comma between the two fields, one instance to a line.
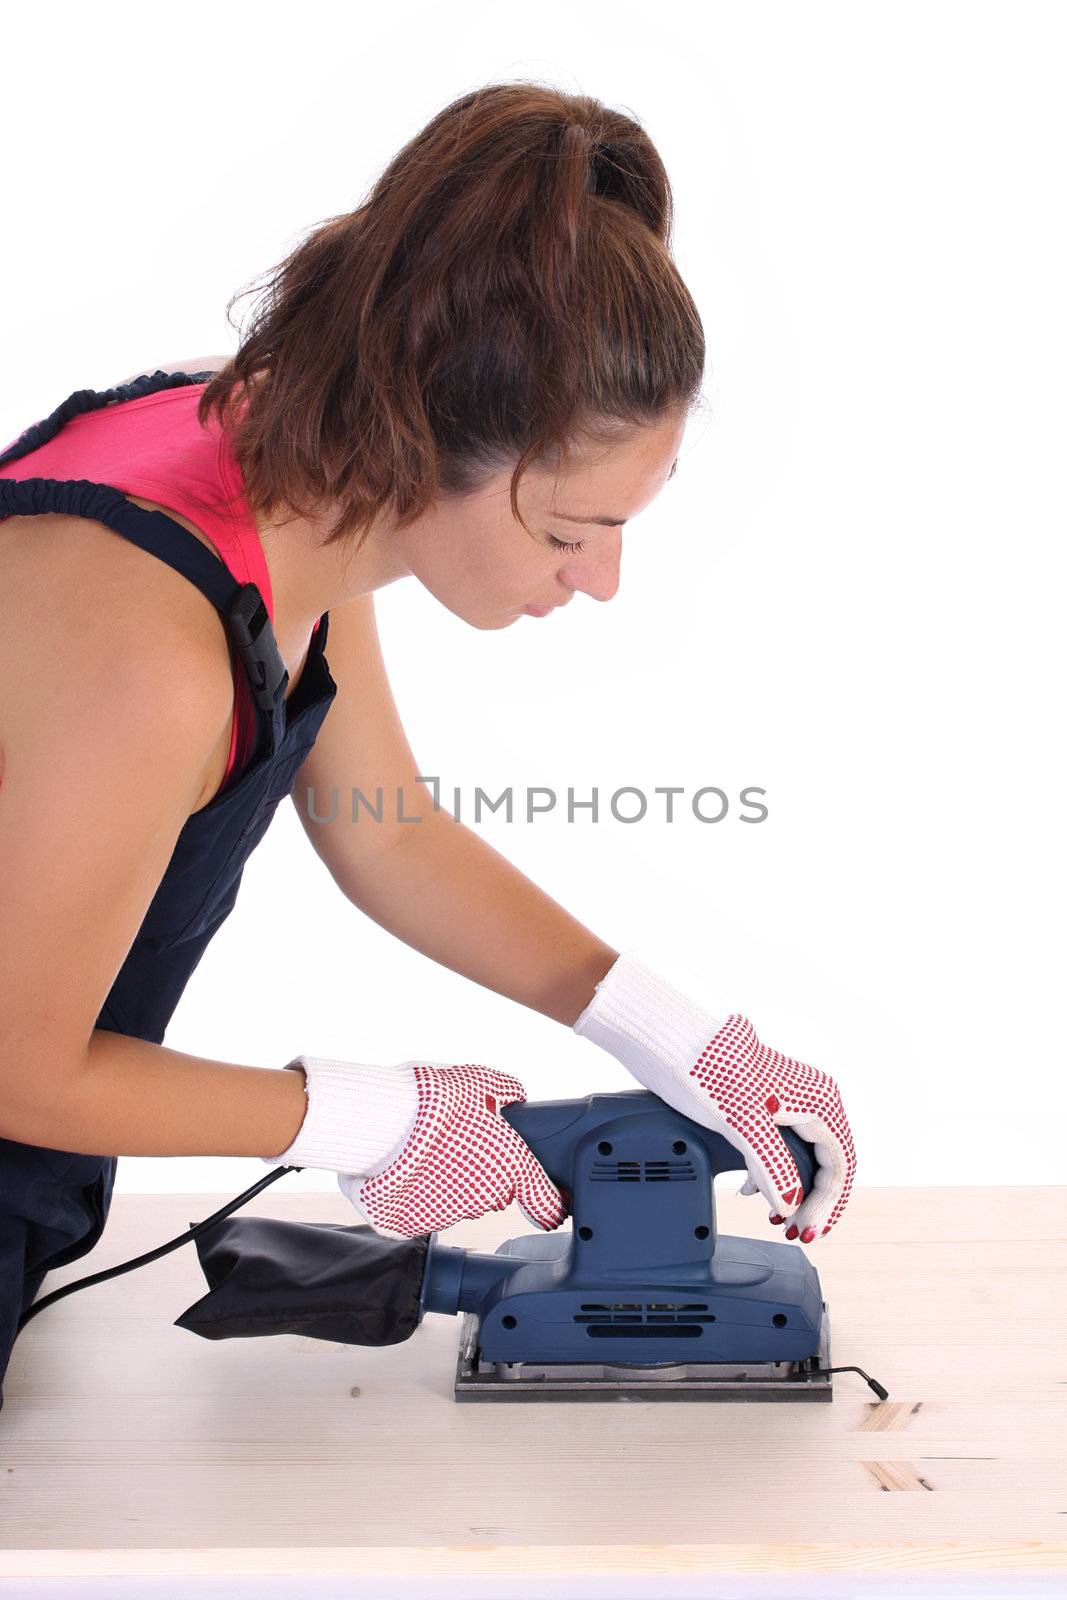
x=596, y=571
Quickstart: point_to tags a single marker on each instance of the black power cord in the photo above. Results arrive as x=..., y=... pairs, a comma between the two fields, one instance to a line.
x=152, y=1255
x=872, y=1383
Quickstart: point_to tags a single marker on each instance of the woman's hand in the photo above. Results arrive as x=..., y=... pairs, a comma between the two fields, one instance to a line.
x=420, y=1145
x=460, y=1160
x=721, y=1075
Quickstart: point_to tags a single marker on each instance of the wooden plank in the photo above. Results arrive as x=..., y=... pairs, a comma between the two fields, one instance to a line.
x=130, y=1446
x=482, y=1559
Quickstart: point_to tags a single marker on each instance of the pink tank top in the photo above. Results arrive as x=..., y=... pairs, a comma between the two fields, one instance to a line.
x=154, y=447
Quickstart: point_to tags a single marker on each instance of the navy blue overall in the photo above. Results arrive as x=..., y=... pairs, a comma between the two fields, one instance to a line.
x=54, y=1203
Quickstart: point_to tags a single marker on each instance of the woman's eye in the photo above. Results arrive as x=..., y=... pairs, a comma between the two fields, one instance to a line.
x=563, y=544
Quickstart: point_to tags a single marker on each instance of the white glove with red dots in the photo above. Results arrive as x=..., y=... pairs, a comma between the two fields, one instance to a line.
x=719, y=1074
x=421, y=1145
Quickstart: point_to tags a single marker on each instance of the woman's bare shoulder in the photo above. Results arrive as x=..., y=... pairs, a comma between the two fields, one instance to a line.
x=80, y=604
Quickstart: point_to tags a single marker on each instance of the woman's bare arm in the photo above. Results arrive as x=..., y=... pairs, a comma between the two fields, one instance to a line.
x=433, y=883
x=445, y=891
x=104, y=749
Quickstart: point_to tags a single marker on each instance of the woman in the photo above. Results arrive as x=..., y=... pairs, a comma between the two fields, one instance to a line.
x=476, y=378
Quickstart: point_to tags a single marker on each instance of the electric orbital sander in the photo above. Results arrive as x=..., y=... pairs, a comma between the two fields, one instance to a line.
x=640, y=1299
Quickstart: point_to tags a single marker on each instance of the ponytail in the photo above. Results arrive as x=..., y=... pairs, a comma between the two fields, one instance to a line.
x=505, y=289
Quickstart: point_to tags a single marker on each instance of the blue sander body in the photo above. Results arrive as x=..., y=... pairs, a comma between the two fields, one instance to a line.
x=641, y=1297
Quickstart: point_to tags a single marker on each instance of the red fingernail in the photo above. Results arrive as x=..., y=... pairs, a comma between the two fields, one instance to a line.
x=791, y=1231
x=827, y=1228
x=807, y=1236
x=776, y=1219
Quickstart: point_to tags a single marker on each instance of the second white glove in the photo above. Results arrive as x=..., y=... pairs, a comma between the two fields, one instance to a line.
x=420, y=1145
x=718, y=1072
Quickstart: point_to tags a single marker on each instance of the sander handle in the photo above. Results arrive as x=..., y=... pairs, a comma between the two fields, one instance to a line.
x=554, y=1128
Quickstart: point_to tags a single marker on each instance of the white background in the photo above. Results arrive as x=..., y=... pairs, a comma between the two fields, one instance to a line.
x=850, y=595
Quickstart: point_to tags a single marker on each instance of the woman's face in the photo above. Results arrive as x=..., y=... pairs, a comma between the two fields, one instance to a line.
x=479, y=561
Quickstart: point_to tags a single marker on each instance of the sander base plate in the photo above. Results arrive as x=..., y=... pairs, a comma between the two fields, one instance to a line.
x=791, y=1381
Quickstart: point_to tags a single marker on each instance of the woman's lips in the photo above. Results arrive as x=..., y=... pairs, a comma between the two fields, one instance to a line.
x=538, y=611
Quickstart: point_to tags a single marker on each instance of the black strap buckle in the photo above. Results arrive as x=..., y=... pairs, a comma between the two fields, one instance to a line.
x=254, y=637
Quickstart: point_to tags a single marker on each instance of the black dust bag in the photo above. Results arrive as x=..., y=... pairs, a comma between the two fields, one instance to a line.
x=324, y=1280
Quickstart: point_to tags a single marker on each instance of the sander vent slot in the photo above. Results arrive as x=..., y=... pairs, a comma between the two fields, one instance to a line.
x=636, y=1318
x=643, y=1172
x=680, y=1330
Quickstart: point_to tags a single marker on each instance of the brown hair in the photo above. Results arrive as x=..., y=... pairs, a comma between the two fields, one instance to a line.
x=506, y=288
